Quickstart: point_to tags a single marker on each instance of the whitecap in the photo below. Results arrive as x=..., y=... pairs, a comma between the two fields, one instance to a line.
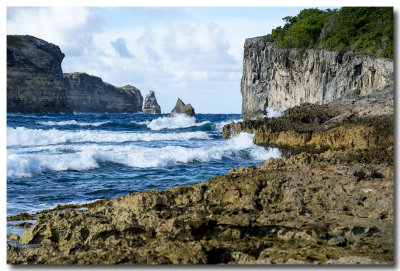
x=178, y=121
x=22, y=136
x=72, y=122
x=87, y=156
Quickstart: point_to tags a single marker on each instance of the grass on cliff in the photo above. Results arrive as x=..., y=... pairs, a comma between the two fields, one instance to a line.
x=16, y=40
x=368, y=30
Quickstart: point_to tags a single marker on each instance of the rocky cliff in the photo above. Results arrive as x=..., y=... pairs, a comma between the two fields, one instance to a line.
x=150, y=104
x=288, y=77
x=89, y=94
x=34, y=77
x=36, y=83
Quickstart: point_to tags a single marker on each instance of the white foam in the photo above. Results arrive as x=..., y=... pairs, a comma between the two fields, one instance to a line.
x=87, y=156
x=221, y=124
x=275, y=113
x=28, y=137
x=178, y=121
x=27, y=165
x=71, y=122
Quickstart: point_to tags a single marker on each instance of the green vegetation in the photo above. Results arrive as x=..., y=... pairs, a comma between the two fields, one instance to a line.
x=368, y=30
x=16, y=40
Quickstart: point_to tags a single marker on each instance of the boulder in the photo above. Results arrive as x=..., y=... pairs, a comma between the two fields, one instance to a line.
x=181, y=108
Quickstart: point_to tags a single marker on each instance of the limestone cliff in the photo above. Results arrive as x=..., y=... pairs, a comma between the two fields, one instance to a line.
x=34, y=77
x=289, y=77
x=36, y=83
x=89, y=94
x=150, y=104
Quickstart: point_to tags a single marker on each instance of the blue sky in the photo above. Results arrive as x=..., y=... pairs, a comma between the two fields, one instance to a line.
x=192, y=53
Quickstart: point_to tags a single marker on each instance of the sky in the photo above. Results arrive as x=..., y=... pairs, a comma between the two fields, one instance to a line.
x=192, y=53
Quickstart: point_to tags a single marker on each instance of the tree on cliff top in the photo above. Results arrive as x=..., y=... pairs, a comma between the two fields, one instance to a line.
x=368, y=30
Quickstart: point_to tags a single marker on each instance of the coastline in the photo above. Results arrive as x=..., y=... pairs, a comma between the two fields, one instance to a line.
x=334, y=206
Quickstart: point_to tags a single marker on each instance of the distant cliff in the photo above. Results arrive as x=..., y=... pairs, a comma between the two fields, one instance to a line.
x=36, y=83
x=34, y=77
x=89, y=94
x=288, y=77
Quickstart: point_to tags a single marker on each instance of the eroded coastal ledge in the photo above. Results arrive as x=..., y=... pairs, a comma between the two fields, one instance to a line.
x=331, y=206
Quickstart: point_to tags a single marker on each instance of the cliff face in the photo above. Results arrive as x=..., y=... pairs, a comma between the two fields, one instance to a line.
x=36, y=83
x=287, y=77
x=89, y=94
x=150, y=104
x=34, y=77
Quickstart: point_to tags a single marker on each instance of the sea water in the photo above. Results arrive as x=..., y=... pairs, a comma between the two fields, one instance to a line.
x=79, y=158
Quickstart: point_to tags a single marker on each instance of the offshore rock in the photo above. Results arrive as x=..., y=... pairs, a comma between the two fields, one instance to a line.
x=150, y=104
x=289, y=77
x=181, y=108
x=89, y=94
x=34, y=77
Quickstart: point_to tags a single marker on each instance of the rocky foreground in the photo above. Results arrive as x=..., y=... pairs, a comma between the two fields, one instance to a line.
x=329, y=201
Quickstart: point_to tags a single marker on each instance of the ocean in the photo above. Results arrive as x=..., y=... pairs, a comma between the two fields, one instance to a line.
x=80, y=158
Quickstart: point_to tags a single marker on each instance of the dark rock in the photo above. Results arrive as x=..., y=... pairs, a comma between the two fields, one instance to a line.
x=34, y=77
x=150, y=104
x=181, y=108
x=89, y=94
x=35, y=83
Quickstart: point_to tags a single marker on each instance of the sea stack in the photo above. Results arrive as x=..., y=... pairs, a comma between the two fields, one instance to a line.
x=150, y=104
x=181, y=108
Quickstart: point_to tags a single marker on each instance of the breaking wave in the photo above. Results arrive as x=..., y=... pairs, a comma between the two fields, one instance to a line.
x=89, y=156
x=22, y=136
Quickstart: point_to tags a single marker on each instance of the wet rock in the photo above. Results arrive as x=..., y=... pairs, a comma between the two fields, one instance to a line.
x=181, y=108
x=246, y=216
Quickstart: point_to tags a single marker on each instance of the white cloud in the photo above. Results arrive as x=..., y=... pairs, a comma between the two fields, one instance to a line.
x=69, y=28
x=199, y=61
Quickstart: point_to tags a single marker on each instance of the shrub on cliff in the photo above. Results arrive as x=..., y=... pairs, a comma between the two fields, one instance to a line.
x=368, y=30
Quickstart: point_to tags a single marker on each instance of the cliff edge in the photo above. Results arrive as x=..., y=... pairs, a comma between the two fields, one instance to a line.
x=36, y=83
x=34, y=76
x=288, y=77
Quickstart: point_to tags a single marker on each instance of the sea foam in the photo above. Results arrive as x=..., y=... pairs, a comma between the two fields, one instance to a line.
x=72, y=122
x=178, y=121
x=88, y=156
x=22, y=136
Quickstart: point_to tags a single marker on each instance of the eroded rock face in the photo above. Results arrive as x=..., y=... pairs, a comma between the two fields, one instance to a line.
x=34, y=77
x=286, y=77
x=35, y=83
x=150, y=104
x=181, y=108
x=89, y=94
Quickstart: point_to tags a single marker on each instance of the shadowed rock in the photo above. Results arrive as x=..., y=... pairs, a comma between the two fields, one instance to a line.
x=181, y=108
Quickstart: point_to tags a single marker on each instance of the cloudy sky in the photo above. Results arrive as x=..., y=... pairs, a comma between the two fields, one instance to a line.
x=191, y=53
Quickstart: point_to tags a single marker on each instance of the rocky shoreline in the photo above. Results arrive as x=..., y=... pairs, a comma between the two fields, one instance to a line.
x=329, y=201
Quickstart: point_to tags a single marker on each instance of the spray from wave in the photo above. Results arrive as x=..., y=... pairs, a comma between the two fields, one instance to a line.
x=89, y=156
x=178, y=121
